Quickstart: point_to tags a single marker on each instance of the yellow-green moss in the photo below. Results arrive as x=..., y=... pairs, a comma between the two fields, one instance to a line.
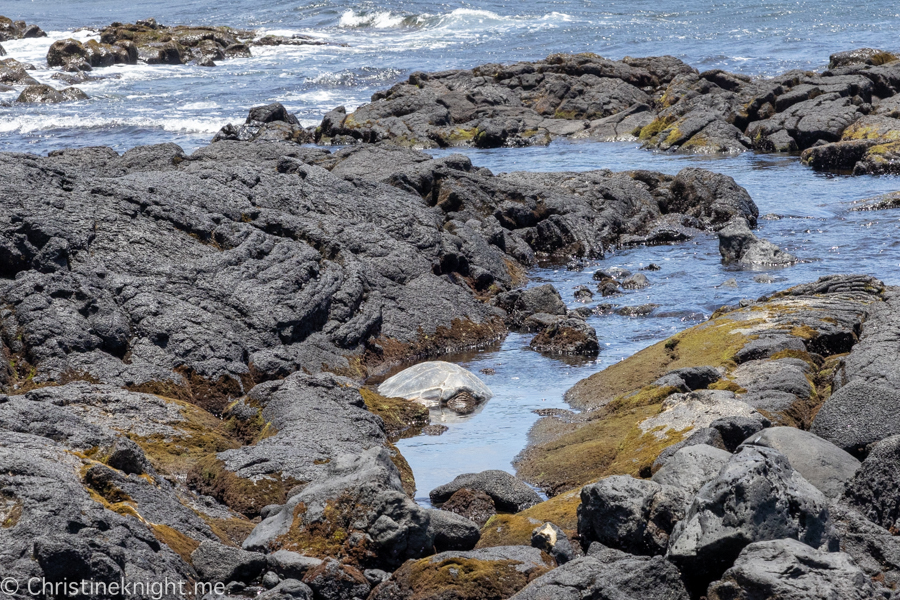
x=330, y=535
x=467, y=579
x=674, y=136
x=863, y=131
x=461, y=135
x=181, y=544
x=728, y=386
x=805, y=332
x=713, y=343
x=210, y=477
x=648, y=395
x=610, y=445
x=232, y=532
x=10, y=510
x=515, y=530
x=402, y=418
x=657, y=126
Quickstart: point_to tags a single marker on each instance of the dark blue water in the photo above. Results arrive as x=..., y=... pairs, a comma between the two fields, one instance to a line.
x=387, y=40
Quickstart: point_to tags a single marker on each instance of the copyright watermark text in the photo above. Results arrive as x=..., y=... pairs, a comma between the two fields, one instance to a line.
x=153, y=590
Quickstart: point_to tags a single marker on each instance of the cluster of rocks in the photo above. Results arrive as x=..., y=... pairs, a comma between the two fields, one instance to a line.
x=14, y=75
x=184, y=337
x=781, y=479
x=18, y=30
x=401, y=275
x=152, y=43
x=843, y=118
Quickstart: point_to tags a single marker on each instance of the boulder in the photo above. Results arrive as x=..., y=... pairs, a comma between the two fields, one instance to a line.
x=756, y=497
x=271, y=113
x=622, y=577
x=289, y=589
x=695, y=410
x=633, y=515
x=435, y=383
x=638, y=281
x=17, y=30
x=874, y=548
x=452, y=531
x=875, y=487
x=553, y=540
x=291, y=565
x=44, y=94
x=484, y=574
x=858, y=414
x=737, y=428
x=360, y=496
x=567, y=336
x=508, y=493
x=474, y=505
x=692, y=467
x=521, y=304
x=737, y=244
x=219, y=563
x=820, y=462
x=335, y=581
x=704, y=435
x=690, y=378
x=791, y=570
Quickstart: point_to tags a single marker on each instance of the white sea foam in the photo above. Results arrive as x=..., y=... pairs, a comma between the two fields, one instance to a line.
x=35, y=123
x=378, y=20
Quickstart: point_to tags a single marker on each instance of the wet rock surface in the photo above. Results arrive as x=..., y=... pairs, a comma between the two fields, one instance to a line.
x=17, y=30
x=152, y=43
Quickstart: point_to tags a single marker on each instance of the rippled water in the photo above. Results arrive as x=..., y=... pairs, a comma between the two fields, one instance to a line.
x=387, y=40
x=806, y=213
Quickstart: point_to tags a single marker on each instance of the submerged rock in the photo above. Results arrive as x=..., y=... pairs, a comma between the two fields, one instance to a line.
x=567, y=336
x=737, y=244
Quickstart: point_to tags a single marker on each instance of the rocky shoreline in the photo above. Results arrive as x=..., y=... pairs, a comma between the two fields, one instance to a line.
x=186, y=342
x=186, y=338
x=842, y=119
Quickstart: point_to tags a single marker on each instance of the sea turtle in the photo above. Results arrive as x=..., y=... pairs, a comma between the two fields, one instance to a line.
x=437, y=383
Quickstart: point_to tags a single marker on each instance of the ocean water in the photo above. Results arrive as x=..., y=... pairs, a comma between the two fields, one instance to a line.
x=384, y=41
x=388, y=39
